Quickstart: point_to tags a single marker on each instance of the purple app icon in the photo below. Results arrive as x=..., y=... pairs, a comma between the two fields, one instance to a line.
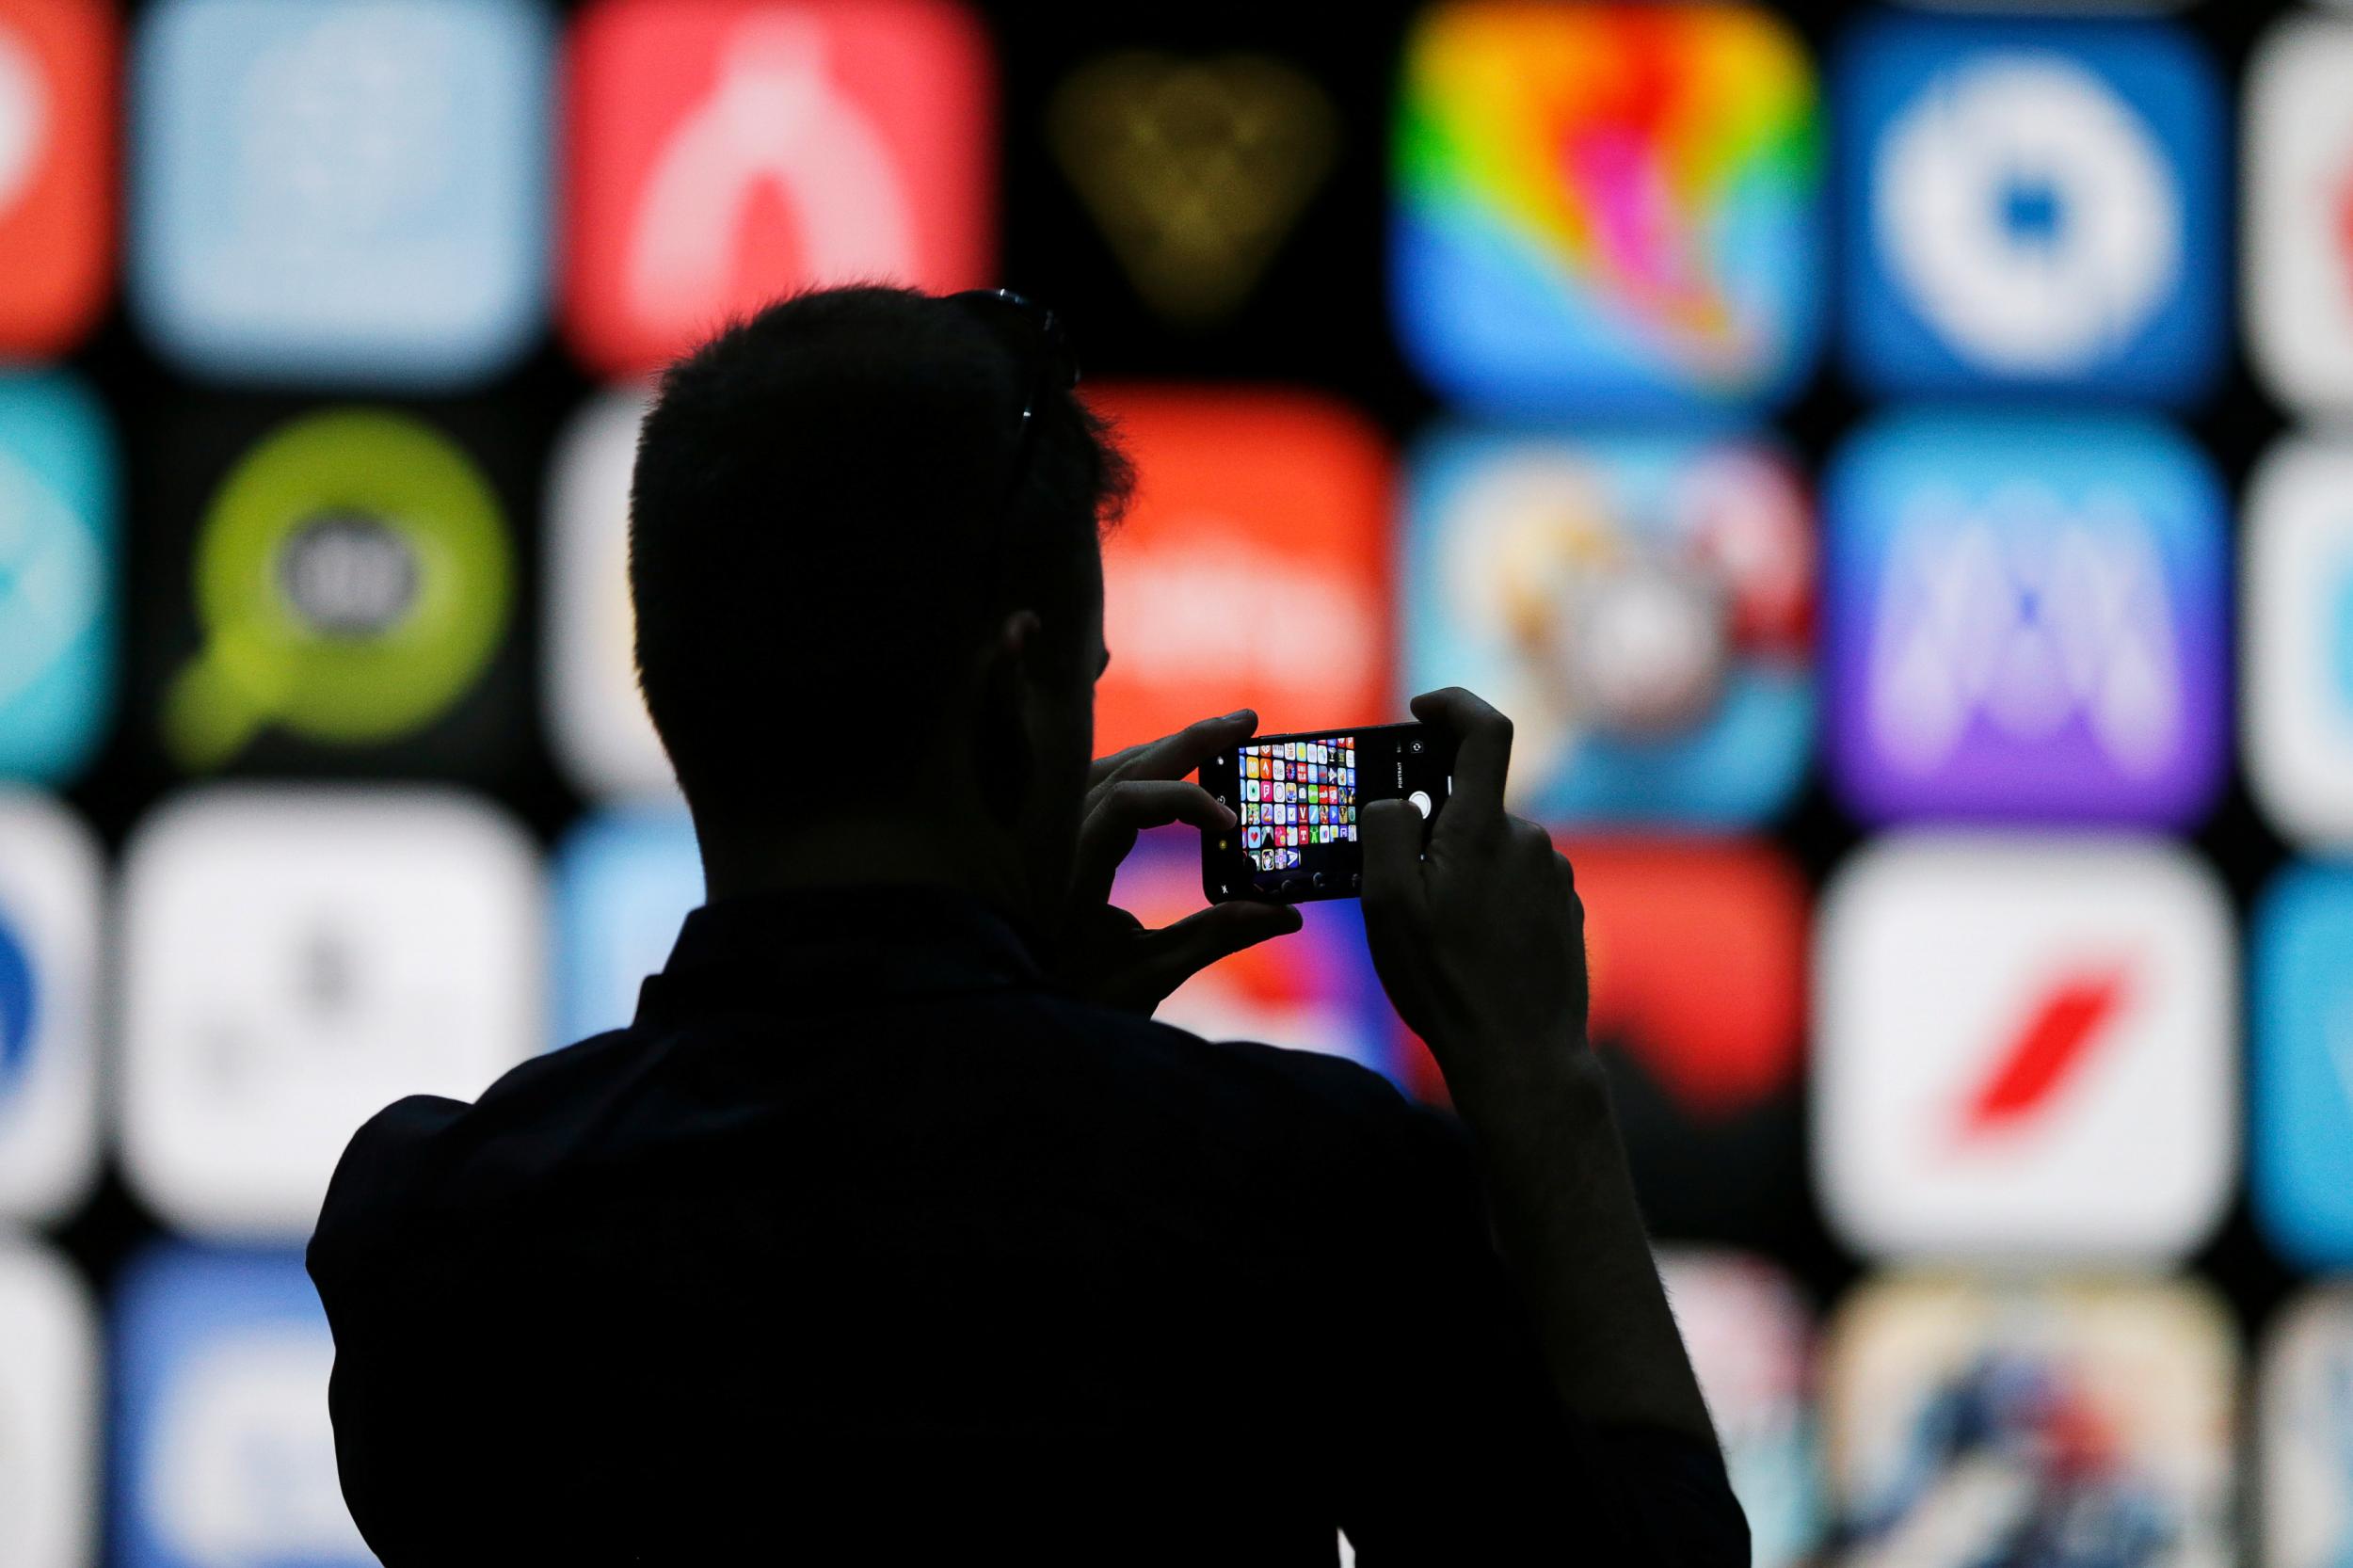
x=2024, y=620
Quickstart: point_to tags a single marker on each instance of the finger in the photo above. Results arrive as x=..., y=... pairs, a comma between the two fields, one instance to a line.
x=1390, y=833
x=1121, y=811
x=1174, y=756
x=1482, y=752
x=1174, y=953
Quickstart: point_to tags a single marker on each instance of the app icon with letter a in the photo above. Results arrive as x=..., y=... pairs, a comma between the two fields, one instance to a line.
x=726, y=151
x=2026, y=1049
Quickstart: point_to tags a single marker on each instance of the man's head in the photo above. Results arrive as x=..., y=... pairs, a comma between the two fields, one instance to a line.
x=846, y=625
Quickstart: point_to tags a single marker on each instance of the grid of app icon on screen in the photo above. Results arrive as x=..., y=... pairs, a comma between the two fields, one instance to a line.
x=1889, y=459
x=1296, y=796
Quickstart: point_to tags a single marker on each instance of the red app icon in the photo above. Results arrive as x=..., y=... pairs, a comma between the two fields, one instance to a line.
x=58, y=105
x=1254, y=567
x=724, y=152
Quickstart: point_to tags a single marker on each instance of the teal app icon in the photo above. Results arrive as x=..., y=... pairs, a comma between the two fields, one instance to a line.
x=58, y=580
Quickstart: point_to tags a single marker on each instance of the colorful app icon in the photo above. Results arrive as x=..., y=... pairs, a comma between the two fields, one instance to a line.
x=353, y=580
x=2024, y=617
x=50, y=1406
x=625, y=881
x=2066, y=1424
x=596, y=718
x=1607, y=206
x=728, y=151
x=1706, y=1078
x=344, y=190
x=2026, y=1049
x=222, y=1451
x=1254, y=567
x=2298, y=639
x=1642, y=606
x=1750, y=1338
x=1195, y=170
x=58, y=588
x=58, y=108
x=2298, y=254
x=1312, y=991
x=2032, y=204
x=50, y=879
x=2301, y=1097
x=296, y=959
x=2304, y=1433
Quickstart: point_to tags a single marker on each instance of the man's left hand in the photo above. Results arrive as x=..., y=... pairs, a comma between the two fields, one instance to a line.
x=1107, y=954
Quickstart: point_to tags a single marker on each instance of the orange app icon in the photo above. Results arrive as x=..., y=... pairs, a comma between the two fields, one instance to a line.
x=1252, y=569
x=56, y=171
x=721, y=152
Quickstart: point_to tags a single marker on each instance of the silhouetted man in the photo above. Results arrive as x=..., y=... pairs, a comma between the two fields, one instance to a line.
x=892, y=1228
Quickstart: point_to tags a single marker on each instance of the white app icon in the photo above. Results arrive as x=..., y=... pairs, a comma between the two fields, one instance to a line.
x=596, y=718
x=48, y=1410
x=1752, y=1342
x=296, y=959
x=226, y=1445
x=2304, y=1432
x=50, y=876
x=2299, y=213
x=2298, y=618
x=775, y=125
x=23, y=116
x=2053, y=306
x=2026, y=1048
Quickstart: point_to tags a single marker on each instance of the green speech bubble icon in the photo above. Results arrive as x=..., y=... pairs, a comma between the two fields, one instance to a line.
x=353, y=578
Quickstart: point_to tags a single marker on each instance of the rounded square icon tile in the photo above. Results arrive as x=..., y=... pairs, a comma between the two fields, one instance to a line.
x=2304, y=1432
x=625, y=882
x=1528, y=276
x=223, y=1450
x=596, y=718
x=296, y=959
x=50, y=880
x=2299, y=631
x=2301, y=1099
x=49, y=1409
x=57, y=109
x=2026, y=1048
x=1963, y=1416
x=2299, y=257
x=59, y=576
x=342, y=190
x=721, y=154
x=2032, y=204
x=1750, y=1337
x=1643, y=607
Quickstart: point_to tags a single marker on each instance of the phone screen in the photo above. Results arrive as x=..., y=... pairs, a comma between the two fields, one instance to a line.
x=1297, y=798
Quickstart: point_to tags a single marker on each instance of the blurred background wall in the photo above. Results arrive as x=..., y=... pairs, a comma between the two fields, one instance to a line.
x=1892, y=461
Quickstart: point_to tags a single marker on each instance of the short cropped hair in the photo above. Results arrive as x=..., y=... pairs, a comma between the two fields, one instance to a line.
x=810, y=544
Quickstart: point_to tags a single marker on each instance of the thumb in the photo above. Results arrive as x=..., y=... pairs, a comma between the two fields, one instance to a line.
x=1391, y=832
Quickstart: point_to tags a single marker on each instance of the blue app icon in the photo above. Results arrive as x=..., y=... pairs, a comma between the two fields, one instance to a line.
x=2024, y=617
x=2301, y=1097
x=344, y=190
x=2032, y=205
x=57, y=577
x=625, y=880
x=223, y=1450
x=1641, y=605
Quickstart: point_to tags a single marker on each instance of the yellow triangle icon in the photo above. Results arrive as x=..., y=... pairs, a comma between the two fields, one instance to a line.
x=1195, y=170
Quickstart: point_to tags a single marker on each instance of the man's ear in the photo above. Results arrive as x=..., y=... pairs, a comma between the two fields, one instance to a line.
x=1004, y=754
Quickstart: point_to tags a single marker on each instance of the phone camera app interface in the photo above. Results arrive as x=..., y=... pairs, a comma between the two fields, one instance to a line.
x=1298, y=801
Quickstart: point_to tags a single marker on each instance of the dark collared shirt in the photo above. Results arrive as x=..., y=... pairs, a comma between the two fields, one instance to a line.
x=862, y=1242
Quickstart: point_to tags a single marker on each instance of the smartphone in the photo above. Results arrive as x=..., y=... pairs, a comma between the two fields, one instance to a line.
x=1296, y=799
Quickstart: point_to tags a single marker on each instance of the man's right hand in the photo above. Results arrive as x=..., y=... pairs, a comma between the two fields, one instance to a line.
x=1481, y=943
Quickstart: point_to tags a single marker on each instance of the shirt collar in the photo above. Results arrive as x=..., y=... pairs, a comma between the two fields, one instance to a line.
x=765, y=951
